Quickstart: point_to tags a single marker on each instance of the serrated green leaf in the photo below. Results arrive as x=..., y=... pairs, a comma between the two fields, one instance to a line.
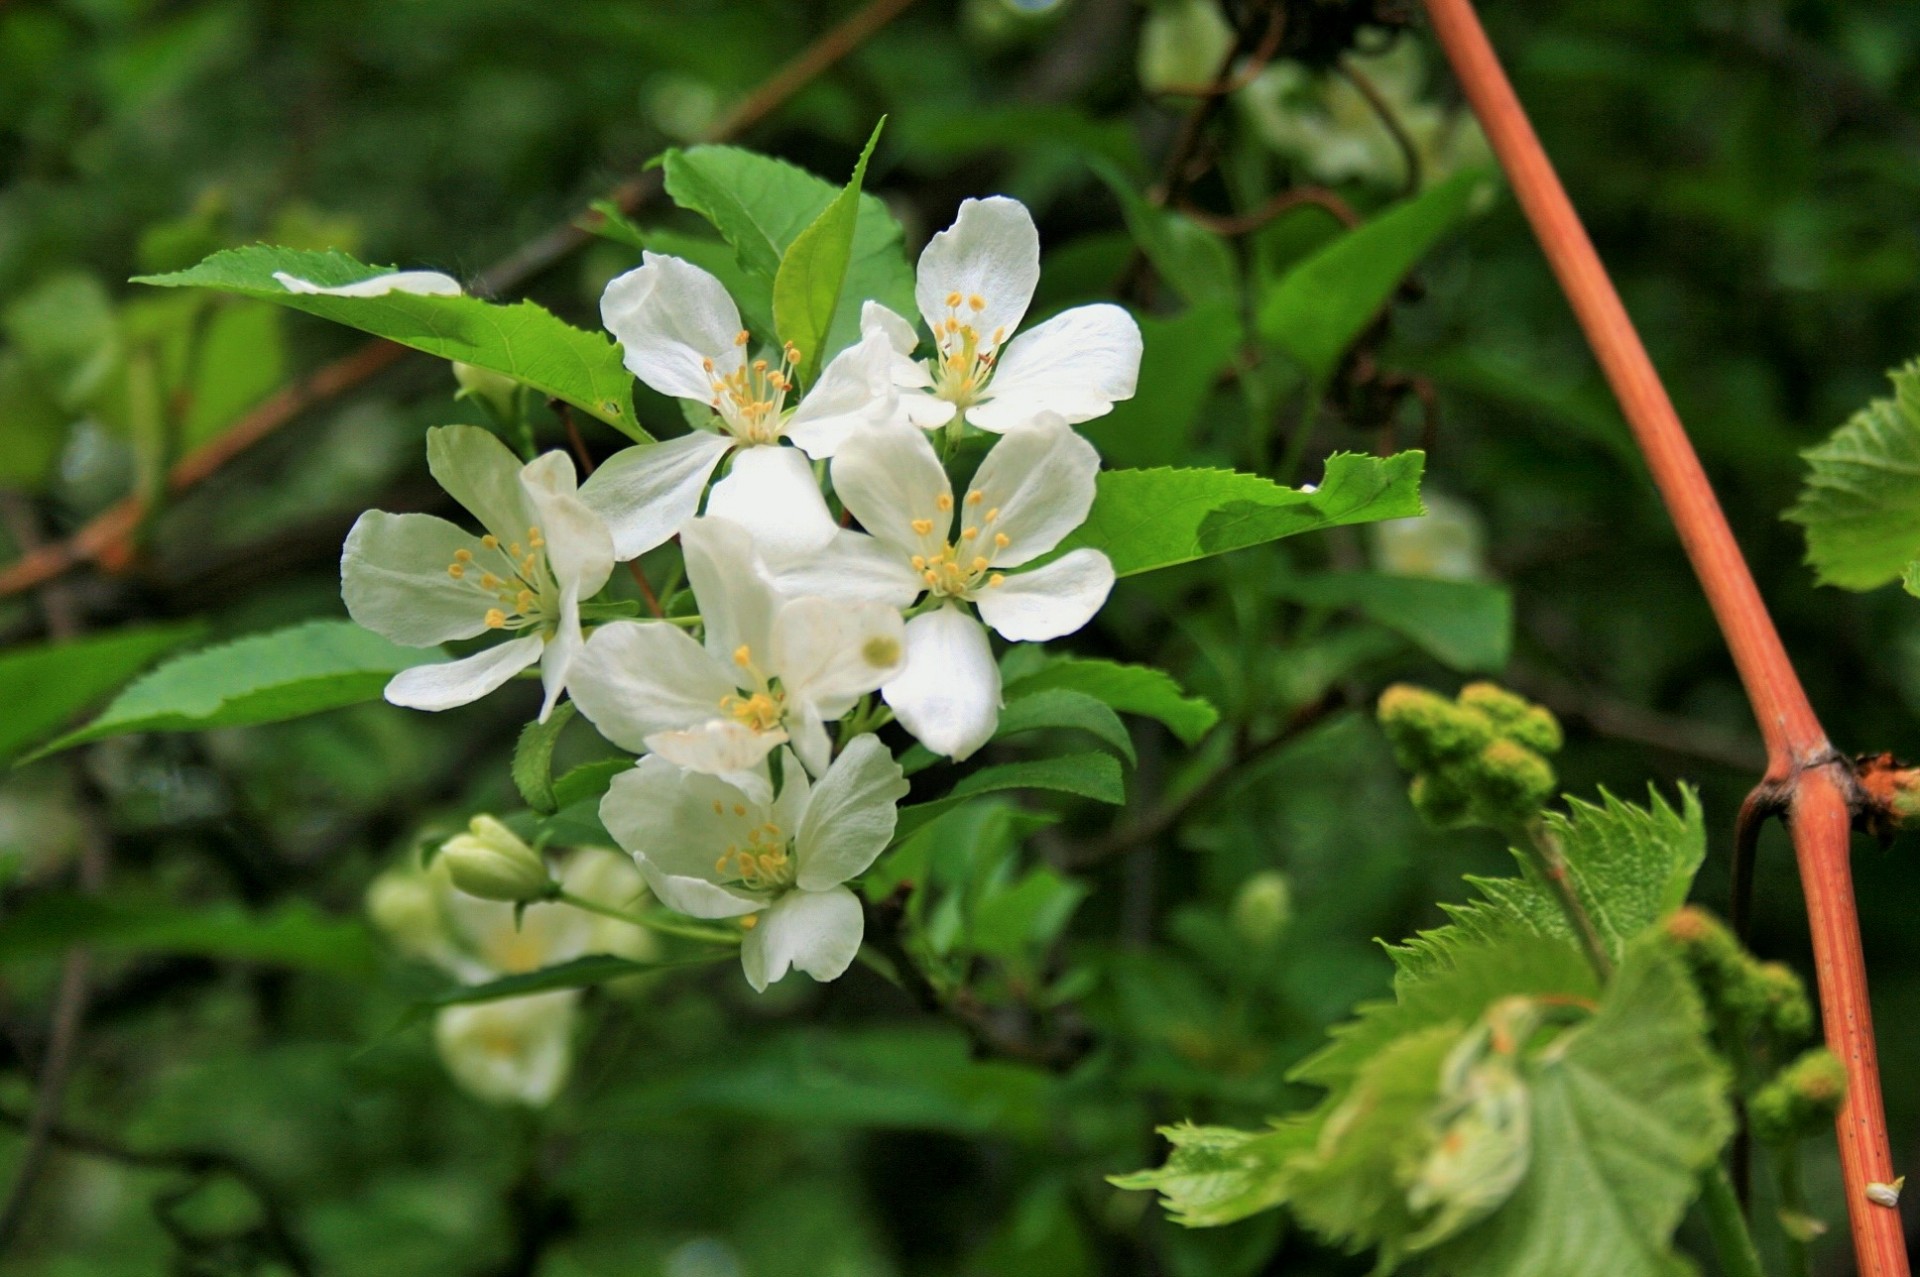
x=533, y=758
x=1216, y=1174
x=1131, y=689
x=760, y=205
x=1861, y=501
x=588, y=782
x=1147, y=519
x=263, y=678
x=807, y=285
x=1090, y=775
x=1465, y=625
x=1317, y=309
x=523, y=340
x=290, y=934
x=45, y=685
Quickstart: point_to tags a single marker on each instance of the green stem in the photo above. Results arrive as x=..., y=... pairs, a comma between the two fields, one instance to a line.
x=1727, y=1225
x=664, y=926
x=1793, y=1203
x=1552, y=863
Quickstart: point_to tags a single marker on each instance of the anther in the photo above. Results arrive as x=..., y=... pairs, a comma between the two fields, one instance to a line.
x=919, y=562
x=945, y=502
x=922, y=526
x=463, y=556
x=981, y=563
x=993, y=514
x=740, y=338
x=1001, y=540
x=742, y=656
x=739, y=809
x=496, y=619
x=977, y=302
x=749, y=922
x=717, y=808
x=455, y=571
x=491, y=541
x=968, y=534
x=998, y=578
x=975, y=497
x=953, y=299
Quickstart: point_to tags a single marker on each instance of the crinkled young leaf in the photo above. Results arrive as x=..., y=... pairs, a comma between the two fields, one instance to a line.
x=1216, y=1174
x=808, y=283
x=1861, y=502
x=263, y=678
x=44, y=685
x=1131, y=689
x=523, y=340
x=1146, y=519
x=1465, y=625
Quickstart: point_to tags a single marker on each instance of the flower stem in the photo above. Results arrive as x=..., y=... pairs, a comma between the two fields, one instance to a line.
x=1727, y=1225
x=664, y=926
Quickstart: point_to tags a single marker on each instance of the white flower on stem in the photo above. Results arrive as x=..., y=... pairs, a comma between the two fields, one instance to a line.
x=681, y=334
x=713, y=850
x=773, y=669
x=1034, y=487
x=975, y=281
x=422, y=581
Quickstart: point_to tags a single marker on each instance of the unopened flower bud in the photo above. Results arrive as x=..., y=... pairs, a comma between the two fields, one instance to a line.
x=1182, y=43
x=1426, y=728
x=1800, y=1100
x=1509, y=782
x=403, y=905
x=495, y=390
x=491, y=862
x=1788, y=1012
x=1262, y=908
x=1440, y=800
x=1514, y=716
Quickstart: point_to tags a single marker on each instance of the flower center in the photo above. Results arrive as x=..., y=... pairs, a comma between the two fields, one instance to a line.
x=763, y=863
x=751, y=398
x=760, y=705
x=955, y=569
x=965, y=363
x=513, y=576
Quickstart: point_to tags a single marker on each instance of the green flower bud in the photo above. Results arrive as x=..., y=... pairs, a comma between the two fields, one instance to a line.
x=1182, y=43
x=490, y=861
x=495, y=390
x=1426, y=729
x=1508, y=781
x=1800, y=1100
x=1262, y=908
x=1514, y=717
x=1788, y=1013
x=1440, y=800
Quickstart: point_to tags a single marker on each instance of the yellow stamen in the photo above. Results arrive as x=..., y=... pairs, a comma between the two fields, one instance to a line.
x=749, y=922
x=945, y=502
x=455, y=571
x=998, y=578
x=977, y=302
x=496, y=619
x=491, y=541
x=976, y=497
x=953, y=299
x=463, y=556
x=742, y=655
x=1001, y=540
x=922, y=526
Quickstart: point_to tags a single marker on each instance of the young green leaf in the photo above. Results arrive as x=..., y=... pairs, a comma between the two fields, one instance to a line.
x=807, y=285
x=1131, y=689
x=44, y=685
x=263, y=678
x=1860, y=505
x=1315, y=310
x=1216, y=1175
x=1092, y=775
x=1465, y=625
x=523, y=340
x=1038, y=710
x=533, y=758
x=1147, y=519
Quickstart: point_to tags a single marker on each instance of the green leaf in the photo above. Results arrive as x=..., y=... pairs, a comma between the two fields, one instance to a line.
x=45, y=685
x=760, y=206
x=291, y=934
x=1317, y=309
x=1216, y=1174
x=588, y=782
x=1147, y=519
x=263, y=678
x=808, y=283
x=36, y=426
x=1180, y=364
x=1131, y=689
x=1465, y=625
x=1197, y=263
x=1861, y=502
x=533, y=758
x=1038, y=708
x=1092, y=775
x=523, y=340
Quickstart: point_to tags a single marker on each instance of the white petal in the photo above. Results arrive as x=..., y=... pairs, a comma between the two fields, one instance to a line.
x=696, y=897
x=425, y=283
x=771, y=492
x=636, y=678
x=681, y=822
x=563, y=648
x=1078, y=364
x=928, y=412
x=808, y=739
x=878, y=318
x=514, y=1051
x=850, y=815
x=817, y=932
x=1049, y=601
x=829, y=653
x=579, y=547
x=855, y=390
x=737, y=602
x=482, y=474
x=992, y=251
x=393, y=576
x=454, y=683
x=1040, y=480
x=670, y=317
x=890, y=477
x=721, y=747
x=647, y=493
x=949, y=694
x=852, y=566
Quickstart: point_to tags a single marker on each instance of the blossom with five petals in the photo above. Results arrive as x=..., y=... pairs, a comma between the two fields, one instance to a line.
x=712, y=850
x=421, y=581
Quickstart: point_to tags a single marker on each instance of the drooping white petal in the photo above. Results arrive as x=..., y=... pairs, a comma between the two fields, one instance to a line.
x=482, y=474
x=771, y=492
x=896, y=328
x=636, y=678
x=890, y=478
x=855, y=390
x=647, y=493
x=817, y=932
x=808, y=739
x=1049, y=601
x=454, y=683
x=681, y=821
x=927, y=411
x=695, y=897
x=852, y=566
x=579, y=547
x=829, y=652
x=1040, y=480
x=393, y=576
x=736, y=600
x=949, y=694
x=850, y=815
x=670, y=318
x=1078, y=364
x=795, y=792
x=425, y=283
x=563, y=648
x=992, y=252
x=513, y=1051
x=722, y=747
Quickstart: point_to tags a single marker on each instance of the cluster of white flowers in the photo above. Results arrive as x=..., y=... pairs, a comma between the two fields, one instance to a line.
x=763, y=790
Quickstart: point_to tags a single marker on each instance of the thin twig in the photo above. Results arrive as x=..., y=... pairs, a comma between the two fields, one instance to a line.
x=1280, y=203
x=1389, y=120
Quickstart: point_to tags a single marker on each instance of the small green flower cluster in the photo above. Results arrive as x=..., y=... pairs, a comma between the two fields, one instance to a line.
x=1764, y=996
x=1801, y=1100
x=1479, y=759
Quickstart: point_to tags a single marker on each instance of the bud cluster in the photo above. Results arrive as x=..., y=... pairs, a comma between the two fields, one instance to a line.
x=1479, y=759
x=1801, y=1100
x=1767, y=996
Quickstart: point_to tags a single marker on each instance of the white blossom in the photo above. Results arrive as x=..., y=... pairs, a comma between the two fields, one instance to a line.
x=713, y=850
x=422, y=581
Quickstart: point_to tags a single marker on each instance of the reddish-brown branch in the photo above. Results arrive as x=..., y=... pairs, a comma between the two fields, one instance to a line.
x=1814, y=781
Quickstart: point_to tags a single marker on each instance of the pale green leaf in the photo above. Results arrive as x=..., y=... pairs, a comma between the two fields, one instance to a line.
x=807, y=285
x=1465, y=625
x=1216, y=1174
x=1131, y=689
x=1861, y=502
x=533, y=759
x=45, y=685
